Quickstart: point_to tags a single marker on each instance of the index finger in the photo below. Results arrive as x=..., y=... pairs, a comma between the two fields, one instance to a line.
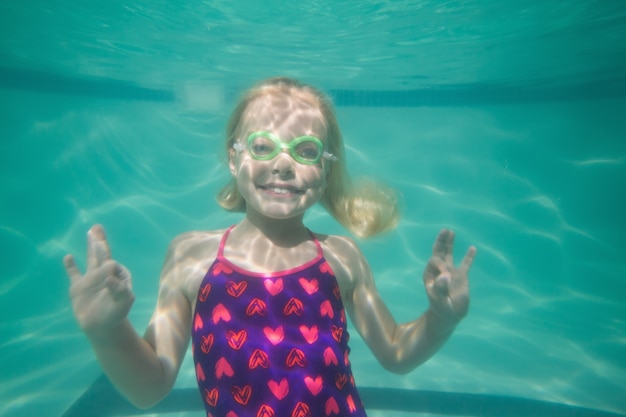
x=71, y=269
x=444, y=244
x=98, y=251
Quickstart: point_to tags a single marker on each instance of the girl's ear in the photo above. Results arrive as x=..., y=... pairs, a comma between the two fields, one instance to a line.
x=327, y=169
x=231, y=161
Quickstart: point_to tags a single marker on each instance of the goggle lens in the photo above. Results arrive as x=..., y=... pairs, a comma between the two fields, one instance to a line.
x=304, y=149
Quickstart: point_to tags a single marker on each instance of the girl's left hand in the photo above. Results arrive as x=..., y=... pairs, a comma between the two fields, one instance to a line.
x=447, y=286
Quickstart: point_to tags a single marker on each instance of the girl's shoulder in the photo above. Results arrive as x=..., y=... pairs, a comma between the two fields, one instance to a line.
x=344, y=256
x=199, y=244
x=337, y=244
x=188, y=258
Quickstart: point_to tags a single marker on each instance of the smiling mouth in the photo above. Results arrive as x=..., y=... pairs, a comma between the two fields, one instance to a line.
x=281, y=190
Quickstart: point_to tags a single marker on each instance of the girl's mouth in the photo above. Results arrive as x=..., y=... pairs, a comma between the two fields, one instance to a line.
x=281, y=190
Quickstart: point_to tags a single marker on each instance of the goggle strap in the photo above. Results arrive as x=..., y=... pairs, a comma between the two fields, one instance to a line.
x=329, y=156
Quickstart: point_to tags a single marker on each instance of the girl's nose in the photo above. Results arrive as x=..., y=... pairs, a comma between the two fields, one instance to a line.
x=283, y=164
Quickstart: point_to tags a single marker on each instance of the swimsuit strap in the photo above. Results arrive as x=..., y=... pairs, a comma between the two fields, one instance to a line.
x=220, y=250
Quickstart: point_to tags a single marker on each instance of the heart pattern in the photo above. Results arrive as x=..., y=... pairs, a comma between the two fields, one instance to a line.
x=313, y=385
x=274, y=336
x=273, y=287
x=326, y=309
x=211, y=397
x=329, y=357
x=220, y=268
x=340, y=380
x=235, y=289
x=310, y=286
x=279, y=389
x=242, y=395
x=296, y=357
x=277, y=344
x=197, y=322
x=309, y=333
x=256, y=306
x=351, y=404
x=200, y=373
x=266, y=411
x=220, y=313
x=258, y=358
x=204, y=292
x=331, y=406
x=337, y=333
x=207, y=343
x=236, y=339
x=223, y=368
x=301, y=410
x=293, y=306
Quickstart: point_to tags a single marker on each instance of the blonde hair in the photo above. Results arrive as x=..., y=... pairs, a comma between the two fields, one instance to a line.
x=366, y=208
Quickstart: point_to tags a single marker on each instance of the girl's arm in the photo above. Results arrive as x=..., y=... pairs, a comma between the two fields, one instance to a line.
x=142, y=369
x=402, y=347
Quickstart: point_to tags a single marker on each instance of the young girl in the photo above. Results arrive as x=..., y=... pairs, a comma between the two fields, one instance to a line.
x=264, y=301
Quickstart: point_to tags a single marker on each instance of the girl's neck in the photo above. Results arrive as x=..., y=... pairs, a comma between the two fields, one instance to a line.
x=281, y=232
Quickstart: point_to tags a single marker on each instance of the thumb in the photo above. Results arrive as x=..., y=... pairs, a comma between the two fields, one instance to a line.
x=442, y=285
x=123, y=275
x=118, y=280
x=120, y=290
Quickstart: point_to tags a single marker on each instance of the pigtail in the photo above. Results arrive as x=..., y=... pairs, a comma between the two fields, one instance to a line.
x=366, y=208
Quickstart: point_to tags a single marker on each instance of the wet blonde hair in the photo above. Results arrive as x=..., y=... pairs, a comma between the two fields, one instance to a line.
x=366, y=208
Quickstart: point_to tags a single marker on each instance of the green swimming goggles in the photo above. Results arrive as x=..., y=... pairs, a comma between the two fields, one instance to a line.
x=263, y=146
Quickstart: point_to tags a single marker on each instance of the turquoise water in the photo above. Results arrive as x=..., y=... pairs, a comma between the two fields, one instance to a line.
x=502, y=121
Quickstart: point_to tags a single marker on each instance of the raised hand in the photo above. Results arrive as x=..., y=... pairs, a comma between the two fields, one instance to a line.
x=103, y=296
x=447, y=286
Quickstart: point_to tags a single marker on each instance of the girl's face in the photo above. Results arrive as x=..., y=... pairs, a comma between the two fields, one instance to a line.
x=281, y=187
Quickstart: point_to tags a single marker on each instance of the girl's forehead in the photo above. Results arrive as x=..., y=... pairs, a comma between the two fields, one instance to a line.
x=283, y=115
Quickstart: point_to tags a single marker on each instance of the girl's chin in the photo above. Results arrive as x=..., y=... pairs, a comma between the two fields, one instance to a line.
x=278, y=211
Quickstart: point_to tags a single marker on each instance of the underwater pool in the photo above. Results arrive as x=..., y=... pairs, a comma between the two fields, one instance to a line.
x=503, y=121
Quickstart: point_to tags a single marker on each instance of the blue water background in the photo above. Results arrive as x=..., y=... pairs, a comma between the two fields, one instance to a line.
x=514, y=138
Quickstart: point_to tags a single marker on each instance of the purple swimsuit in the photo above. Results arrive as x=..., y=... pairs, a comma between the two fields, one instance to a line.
x=273, y=344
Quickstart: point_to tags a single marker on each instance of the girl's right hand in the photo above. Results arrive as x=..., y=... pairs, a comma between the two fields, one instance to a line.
x=102, y=298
